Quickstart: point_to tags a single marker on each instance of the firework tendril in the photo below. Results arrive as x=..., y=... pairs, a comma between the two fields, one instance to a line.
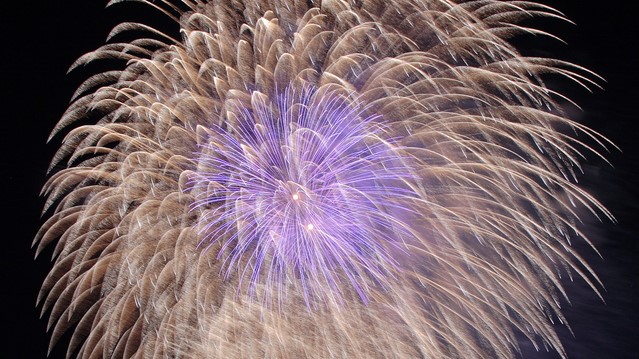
x=319, y=179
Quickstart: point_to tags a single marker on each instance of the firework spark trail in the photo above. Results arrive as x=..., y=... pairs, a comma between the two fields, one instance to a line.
x=291, y=175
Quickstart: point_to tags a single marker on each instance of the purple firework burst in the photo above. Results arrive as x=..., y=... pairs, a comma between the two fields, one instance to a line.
x=308, y=185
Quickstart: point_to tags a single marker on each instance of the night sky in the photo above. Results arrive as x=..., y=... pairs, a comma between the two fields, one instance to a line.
x=43, y=38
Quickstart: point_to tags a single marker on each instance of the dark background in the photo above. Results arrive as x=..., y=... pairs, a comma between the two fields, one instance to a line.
x=41, y=39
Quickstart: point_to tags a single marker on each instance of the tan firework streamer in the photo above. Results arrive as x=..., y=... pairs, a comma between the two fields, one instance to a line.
x=489, y=222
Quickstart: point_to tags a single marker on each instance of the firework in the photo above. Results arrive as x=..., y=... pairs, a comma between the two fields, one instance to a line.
x=314, y=180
